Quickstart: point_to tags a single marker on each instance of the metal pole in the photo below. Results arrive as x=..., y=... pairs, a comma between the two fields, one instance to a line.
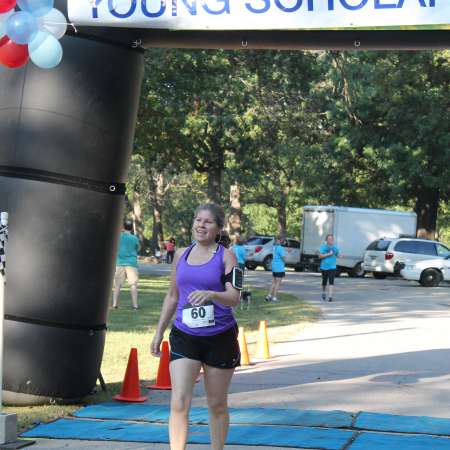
x=3, y=242
x=2, y=314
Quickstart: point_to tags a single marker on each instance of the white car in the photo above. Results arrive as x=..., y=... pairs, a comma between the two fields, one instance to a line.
x=258, y=251
x=428, y=273
x=388, y=256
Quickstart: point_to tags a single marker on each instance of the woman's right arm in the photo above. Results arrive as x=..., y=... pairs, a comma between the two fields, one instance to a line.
x=324, y=255
x=168, y=309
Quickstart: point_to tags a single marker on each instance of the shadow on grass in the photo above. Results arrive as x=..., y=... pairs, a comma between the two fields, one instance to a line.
x=289, y=310
x=30, y=416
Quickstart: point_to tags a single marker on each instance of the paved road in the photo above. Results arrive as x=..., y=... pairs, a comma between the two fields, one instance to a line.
x=382, y=346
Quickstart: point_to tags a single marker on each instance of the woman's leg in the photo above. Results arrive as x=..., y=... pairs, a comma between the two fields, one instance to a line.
x=277, y=282
x=331, y=276
x=269, y=295
x=183, y=374
x=119, y=278
x=133, y=278
x=217, y=382
x=324, y=281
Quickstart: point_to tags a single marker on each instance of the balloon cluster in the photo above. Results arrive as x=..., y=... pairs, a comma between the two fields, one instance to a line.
x=31, y=32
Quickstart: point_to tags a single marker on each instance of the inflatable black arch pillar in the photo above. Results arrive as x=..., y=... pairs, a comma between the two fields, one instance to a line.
x=66, y=140
x=65, y=144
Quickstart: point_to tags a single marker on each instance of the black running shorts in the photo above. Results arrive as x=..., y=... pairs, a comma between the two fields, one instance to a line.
x=220, y=350
x=328, y=275
x=278, y=274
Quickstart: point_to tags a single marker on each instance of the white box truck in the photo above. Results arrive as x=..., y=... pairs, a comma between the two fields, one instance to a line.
x=353, y=230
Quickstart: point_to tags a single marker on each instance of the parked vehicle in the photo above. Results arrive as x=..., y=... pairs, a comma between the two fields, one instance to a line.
x=389, y=256
x=353, y=230
x=258, y=252
x=429, y=273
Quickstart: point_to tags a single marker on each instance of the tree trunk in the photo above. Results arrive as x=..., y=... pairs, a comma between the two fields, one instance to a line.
x=282, y=222
x=138, y=223
x=158, y=237
x=427, y=205
x=156, y=184
x=214, y=185
x=234, y=220
x=215, y=171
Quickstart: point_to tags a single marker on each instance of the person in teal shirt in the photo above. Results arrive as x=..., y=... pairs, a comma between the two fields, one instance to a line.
x=127, y=265
x=278, y=269
x=328, y=253
x=239, y=251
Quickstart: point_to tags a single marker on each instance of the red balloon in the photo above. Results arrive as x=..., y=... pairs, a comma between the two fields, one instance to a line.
x=7, y=5
x=12, y=55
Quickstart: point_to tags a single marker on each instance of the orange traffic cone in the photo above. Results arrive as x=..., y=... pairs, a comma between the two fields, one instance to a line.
x=263, y=342
x=245, y=360
x=131, y=391
x=163, y=377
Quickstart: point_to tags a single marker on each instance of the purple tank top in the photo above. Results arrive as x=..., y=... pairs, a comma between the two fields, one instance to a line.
x=204, y=277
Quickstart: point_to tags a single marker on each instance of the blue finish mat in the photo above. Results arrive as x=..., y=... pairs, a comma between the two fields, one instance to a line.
x=198, y=415
x=403, y=424
x=109, y=430
x=375, y=441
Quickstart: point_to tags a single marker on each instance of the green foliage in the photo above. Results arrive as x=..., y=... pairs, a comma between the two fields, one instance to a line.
x=368, y=129
x=444, y=223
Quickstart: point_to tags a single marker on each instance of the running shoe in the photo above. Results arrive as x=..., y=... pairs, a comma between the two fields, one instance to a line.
x=324, y=297
x=268, y=298
x=274, y=299
x=330, y=299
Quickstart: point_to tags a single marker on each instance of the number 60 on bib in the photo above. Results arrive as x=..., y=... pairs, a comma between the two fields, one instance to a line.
x=199, y=316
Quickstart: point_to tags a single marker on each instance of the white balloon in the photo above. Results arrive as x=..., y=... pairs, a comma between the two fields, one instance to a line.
x=54, y=23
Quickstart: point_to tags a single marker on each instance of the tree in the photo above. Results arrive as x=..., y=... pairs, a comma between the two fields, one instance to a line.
x=388, y=132
x=281, y=123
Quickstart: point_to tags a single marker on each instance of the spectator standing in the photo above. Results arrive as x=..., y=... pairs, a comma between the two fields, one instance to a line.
x=278, y=269
x=239, y=251
x=126, y=266
x=170, y=250
x=328, y=253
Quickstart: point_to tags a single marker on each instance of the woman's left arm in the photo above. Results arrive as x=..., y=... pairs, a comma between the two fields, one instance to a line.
x=229, y=297
x=283, y=254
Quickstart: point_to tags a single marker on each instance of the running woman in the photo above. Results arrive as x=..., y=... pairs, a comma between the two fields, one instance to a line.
x=327, y=254
x=204, y=333
x=278, y=269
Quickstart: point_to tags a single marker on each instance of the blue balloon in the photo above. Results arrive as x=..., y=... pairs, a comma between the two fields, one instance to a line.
x=36, y=7
x=3, y=19
x=2, y=29
x=22, y=27
x=45, y=50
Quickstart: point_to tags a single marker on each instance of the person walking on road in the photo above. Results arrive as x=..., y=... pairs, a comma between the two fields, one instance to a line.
x=127, y=266
x=278, y=269
x=327, y=255
x=204, y=332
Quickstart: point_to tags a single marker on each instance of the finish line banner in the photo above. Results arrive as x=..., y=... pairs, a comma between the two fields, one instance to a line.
x=258, y=14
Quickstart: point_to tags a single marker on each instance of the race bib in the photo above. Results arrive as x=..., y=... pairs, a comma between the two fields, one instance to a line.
x=199, y=316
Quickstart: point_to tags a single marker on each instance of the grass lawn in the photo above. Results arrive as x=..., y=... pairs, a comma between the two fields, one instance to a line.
x=128, y=328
